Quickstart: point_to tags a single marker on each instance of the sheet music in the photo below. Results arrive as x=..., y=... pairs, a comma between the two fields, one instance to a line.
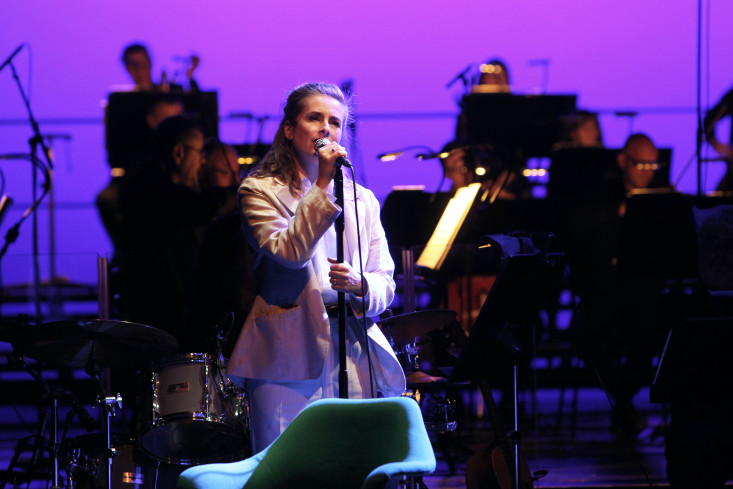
x=447, y=229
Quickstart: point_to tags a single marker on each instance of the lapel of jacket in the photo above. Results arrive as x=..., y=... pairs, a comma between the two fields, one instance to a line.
x=288, y=200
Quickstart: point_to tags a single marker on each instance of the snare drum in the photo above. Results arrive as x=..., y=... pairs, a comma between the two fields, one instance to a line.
x=198, y=414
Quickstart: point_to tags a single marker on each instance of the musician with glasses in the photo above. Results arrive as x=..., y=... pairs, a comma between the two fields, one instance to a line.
x=617, y=315
x=639, y=162
x=164, y=216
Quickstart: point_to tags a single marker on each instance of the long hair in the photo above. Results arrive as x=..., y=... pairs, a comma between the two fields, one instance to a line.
x=280, y=160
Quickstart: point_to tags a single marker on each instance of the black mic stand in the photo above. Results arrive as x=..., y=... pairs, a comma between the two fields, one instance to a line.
x=34, y=142
x=338, y=185
x=52, y=395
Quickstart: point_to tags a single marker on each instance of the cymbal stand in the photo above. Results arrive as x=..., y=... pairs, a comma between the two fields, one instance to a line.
x=55, y=393
x=108, y=404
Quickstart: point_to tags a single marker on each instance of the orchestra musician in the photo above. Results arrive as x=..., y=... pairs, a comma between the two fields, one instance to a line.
x=164, y=216
x=286, y=353
x=616, y=314
x=583, y=130
x=493, y=77
x=721, y=110
x=464, y=164
x=138, y=65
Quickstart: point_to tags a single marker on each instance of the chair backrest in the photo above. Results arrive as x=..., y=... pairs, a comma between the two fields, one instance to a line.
x=340, y=442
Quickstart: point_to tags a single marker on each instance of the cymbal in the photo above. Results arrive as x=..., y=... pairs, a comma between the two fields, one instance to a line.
x=418, y=377
x=103, y=343
x=405, y=327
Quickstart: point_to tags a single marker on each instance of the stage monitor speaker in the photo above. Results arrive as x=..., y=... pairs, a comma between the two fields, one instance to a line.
x=696, y=365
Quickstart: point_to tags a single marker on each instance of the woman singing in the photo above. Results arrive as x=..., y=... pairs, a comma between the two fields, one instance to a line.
x=288, y=348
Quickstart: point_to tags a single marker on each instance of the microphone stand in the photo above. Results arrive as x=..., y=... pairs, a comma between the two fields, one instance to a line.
x=338, y=184
x=34, y=142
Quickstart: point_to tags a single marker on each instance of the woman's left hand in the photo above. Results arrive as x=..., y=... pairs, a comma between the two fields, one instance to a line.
x=343, y=278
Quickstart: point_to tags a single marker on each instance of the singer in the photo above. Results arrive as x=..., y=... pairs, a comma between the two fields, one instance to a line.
x=287, y=352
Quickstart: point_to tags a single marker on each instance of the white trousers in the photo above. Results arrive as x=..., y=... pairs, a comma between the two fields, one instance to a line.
x=273, y=405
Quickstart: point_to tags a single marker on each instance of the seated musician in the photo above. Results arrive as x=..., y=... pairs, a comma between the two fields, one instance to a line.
x=639, y=161
x=164, y=215
x=493, y=78
x=138, y=65
x=582, y=130
x=617, y=315
x=465, y=164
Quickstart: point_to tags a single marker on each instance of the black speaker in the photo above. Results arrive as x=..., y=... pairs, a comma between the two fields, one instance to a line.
x=696, y=365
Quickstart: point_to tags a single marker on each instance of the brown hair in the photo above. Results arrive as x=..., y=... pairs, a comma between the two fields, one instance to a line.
x=280, y=160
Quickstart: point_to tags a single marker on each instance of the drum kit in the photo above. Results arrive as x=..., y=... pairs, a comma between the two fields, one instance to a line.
x=413, y=338
x=194, y=414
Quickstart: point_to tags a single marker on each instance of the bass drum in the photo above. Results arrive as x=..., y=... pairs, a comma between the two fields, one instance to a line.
x=198, y=414
x=131, y=468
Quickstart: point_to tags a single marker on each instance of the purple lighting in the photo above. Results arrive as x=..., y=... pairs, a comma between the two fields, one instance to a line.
x=615, y=56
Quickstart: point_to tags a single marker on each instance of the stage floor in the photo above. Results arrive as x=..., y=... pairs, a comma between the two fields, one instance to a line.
x=574, y=453
x=587, y=455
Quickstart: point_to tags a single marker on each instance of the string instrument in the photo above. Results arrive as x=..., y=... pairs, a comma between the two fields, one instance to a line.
x=493, y=468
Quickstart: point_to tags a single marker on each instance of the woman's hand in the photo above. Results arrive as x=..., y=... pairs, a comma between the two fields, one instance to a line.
x=343, y=278
x=327, y=157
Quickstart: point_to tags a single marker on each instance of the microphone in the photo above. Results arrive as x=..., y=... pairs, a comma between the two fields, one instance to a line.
x=391, y=156
x=86, y=419
x=341, y=161
x=430, y=156
x=10, y=58
x=461, y=75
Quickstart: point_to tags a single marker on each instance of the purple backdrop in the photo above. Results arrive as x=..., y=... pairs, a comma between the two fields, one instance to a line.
x=613, y=54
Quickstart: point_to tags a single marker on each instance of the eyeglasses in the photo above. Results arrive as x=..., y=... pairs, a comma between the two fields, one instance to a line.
x=193, y=148
x=644, y=165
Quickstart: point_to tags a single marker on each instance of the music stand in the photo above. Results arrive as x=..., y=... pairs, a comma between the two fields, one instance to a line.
x=410, y=216
x=525, y=124
x=127, y=134
x=658, y=238
x=582, y=175
x=585, y=175
x=513, y=303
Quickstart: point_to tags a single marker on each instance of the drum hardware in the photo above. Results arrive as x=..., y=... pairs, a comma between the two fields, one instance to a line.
x=95, y=343
x=53, y=395
x=405, y=327
x=72, y=466
x=405, y=330
x=198, y=414
x=439, y=413
x=109, y=403
x=131, y=467
x=409, y=356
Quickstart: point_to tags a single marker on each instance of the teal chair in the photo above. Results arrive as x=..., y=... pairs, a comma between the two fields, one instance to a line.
x=332, y=443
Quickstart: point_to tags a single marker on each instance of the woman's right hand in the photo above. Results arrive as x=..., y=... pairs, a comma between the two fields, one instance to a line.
x=327, y=158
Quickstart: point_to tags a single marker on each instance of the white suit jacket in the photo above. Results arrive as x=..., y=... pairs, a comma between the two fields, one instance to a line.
x=286, y=336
